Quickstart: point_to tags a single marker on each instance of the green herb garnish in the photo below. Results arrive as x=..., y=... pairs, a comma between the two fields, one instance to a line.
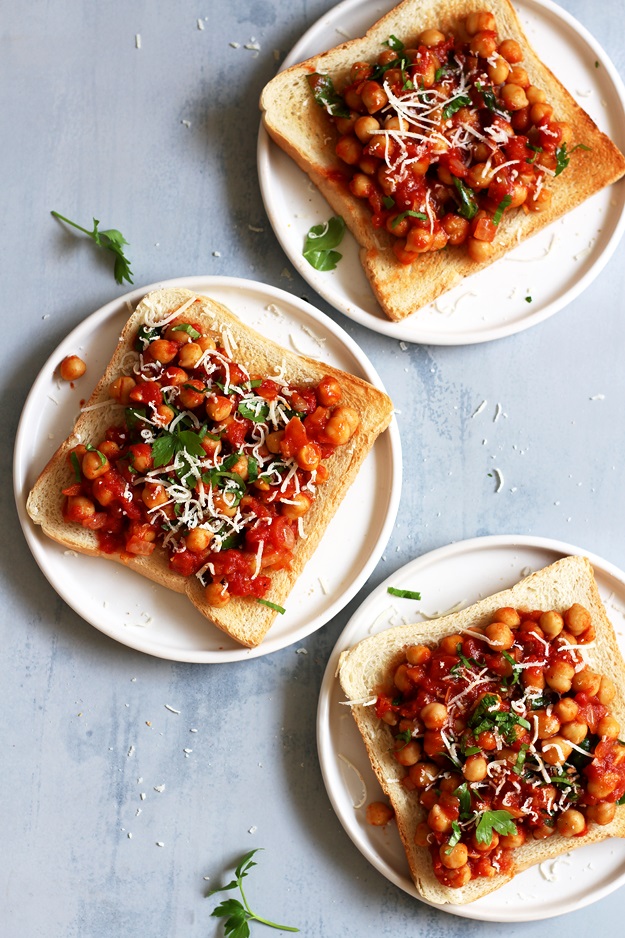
x=500, y=821
x=463, y=793
x=111, y=239
x=394, y=43
x=75, y=466
x=489, y=97
x=320, y=243
x=404, y=737
x=408, y=214
x=188, y=328
x=563, y=156
x=257, y=414
x=274, y=606
x=528, y=299
x=92, y=449
x=468, y=203
x=403, y=594
x=455, y=105
x=518, y=765
x=456, y=834
x=326, y=95
x=388, y=201
x=239, y=913
x=503, y=205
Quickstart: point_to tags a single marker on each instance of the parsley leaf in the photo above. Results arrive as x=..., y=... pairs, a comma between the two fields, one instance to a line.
x=326, y=95
x=456, y=834
x=239, y=913
x=168, y=445
x=111, y=239
x=463, y=792
x=257, y=413
x=188, y=328
x=403, y=594
x=408, y=214
x=499, y=821
x=320, y=242
x=394, y=43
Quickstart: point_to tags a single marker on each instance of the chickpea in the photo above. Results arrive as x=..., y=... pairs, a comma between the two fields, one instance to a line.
x=511, y=841
x=533, y=677
x=418, y=654
x=499, y=71
x=361, y=70
x=349, y=149
x=241, y=467
x=460, y=877
x=154, y=495
x=556, y=750
x=422, y=834
x=483, y=43
x=197, y=540
x=438, y=820
x=366, y=127
x=606, y=692
x=535, y=95
x=479, y=177
x=119, y=390
x=434, y=715
x=540, y=112
x=511, y=51
x=373, y=96
x=401, y=680
x=566, y=709
x=218, y=407
x=601, y=813
x=474, y=769
x=94, y=464
x=542, y=832
x=481, y=19
x=608, y=727
x=449, y=644
x=433, y=744
x=389, y=718
x=419, y=240
x=164, y=415
x=587, y=681
x=577, y=619
x=361, y=186
x=308, y=457
x=547, y=724
x=175, y=376
x=551, y=623
x=571, y=823
x=378, y=813
x=191, y=394
x=485, y=848
x=559, y=676
x=449, y=784
x=225, y=503
x=72, y=367
x=500, y=637
x=216, y=594
x=540, y=201
x=479, y=251
x=273, y=440
x=189, y=355
x=80, y=508
x=409, y=753
x=575, y=731
x=342, y=425
x=206, y=343
x=300, y=505
x=456, y=228
x=453, y=857
x=431, y=37
x=487, y=741
x=514, y=97
x=162, y=351
x=109, y=449
x=423, y=773
x=518, y=76
x=508, y=616
x=602, y=787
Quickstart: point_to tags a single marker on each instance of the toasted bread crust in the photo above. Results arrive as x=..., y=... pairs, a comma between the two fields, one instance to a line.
x=244, y=620
x=302, y=129
x=366, y=668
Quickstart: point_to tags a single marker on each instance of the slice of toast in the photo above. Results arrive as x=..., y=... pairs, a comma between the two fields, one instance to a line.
x=243, y=619
x=306, y=133
x=365, y=670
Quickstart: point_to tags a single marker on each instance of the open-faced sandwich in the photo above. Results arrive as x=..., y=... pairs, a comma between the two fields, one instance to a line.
x=209, y=459
x=495, y=731
x=441, y=139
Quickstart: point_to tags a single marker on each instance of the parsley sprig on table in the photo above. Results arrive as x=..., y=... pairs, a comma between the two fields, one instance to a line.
x=238, y=914
x=112, y=240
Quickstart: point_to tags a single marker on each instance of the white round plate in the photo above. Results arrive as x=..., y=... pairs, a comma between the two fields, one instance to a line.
x=148, y=617
x=552, y=268
x=449, y=578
